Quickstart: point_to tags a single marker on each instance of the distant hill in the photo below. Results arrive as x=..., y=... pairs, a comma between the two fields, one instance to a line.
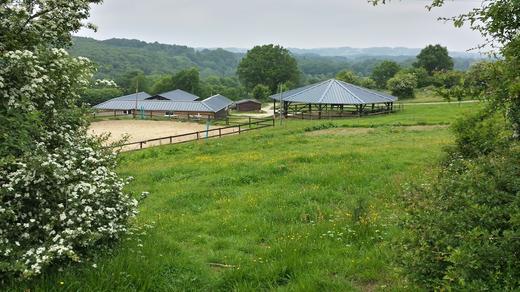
x=374, y=51
x=116, y=57
x=364, y=52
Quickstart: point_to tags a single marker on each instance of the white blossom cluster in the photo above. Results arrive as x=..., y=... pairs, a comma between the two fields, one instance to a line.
x=31, y=80
x=57, y=202
x=106, y=83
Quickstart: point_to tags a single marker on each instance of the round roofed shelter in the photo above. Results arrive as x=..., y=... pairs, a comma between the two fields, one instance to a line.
x=332, y=99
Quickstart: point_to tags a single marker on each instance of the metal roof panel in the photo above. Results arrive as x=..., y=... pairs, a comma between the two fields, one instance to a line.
x=334, y=92
x=178, y=95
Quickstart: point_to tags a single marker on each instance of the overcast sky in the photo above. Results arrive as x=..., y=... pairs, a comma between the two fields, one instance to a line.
x=291, y=23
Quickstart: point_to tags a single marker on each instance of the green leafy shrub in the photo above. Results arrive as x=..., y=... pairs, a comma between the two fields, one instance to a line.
x=480, y=134
x=351, y=77
x=261, y=92
x=403, y=85
x=463, y=230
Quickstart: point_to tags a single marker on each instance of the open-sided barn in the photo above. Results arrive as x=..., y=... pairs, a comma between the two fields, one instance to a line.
x=332, y=98
x=175, y=103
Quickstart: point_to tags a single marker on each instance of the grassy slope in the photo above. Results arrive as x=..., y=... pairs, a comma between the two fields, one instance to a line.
x=288, y=210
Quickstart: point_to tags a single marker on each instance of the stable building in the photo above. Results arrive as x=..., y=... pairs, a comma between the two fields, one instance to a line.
x=173, y=104
x=248, y=105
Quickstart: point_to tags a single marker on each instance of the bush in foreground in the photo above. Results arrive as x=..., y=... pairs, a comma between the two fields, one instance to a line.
x=59, y=201
x=59, y=193
x=463, y=229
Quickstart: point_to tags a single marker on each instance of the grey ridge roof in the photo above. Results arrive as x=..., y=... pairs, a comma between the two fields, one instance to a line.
x=148, y=105
x=334, y=92
x=212, y=104
x=133, y=96
x=178, y=95
x=247, y=100
x=217, y=102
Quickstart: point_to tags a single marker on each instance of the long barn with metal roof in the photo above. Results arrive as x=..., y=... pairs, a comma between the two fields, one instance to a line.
x=174, y=103
x=332, y=98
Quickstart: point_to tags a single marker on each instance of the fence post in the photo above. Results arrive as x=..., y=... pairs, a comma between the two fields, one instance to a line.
x=239, y=129
x=198, y=136
x=220, y=132
x=249, y=122
x=170, y=139
x=141, y=145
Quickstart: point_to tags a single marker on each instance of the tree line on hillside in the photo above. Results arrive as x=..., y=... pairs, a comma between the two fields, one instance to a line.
x=116, y=57
x=433, y=68
x=265, y=70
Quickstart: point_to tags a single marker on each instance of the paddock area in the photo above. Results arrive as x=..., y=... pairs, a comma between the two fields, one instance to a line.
x=143, y=134
x=140, y=130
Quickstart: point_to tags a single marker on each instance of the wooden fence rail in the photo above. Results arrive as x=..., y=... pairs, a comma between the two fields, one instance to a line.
x=253, y=124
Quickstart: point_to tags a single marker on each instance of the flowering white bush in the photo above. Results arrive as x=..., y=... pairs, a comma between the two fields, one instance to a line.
x=58, y=201
x=59, y=194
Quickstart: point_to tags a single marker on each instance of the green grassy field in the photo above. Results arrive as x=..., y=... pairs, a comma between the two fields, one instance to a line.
x=286, y=209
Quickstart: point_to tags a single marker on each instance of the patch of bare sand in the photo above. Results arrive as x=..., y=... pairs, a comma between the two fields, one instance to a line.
x=140, y=130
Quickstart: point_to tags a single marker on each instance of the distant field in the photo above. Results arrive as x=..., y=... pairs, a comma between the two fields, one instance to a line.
x=307, y=206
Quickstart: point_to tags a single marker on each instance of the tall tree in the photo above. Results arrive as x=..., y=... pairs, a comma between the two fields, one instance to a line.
x=164, y=84
x=434, y=58
x=403, y=85
x=187, y=80
x=269, y=65
x=261, y=92
x=384, y=71
x=134, y=80
x=347, y=76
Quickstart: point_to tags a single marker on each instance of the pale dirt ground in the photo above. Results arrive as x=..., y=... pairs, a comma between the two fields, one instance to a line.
x=139, y=130
x=267, y=111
